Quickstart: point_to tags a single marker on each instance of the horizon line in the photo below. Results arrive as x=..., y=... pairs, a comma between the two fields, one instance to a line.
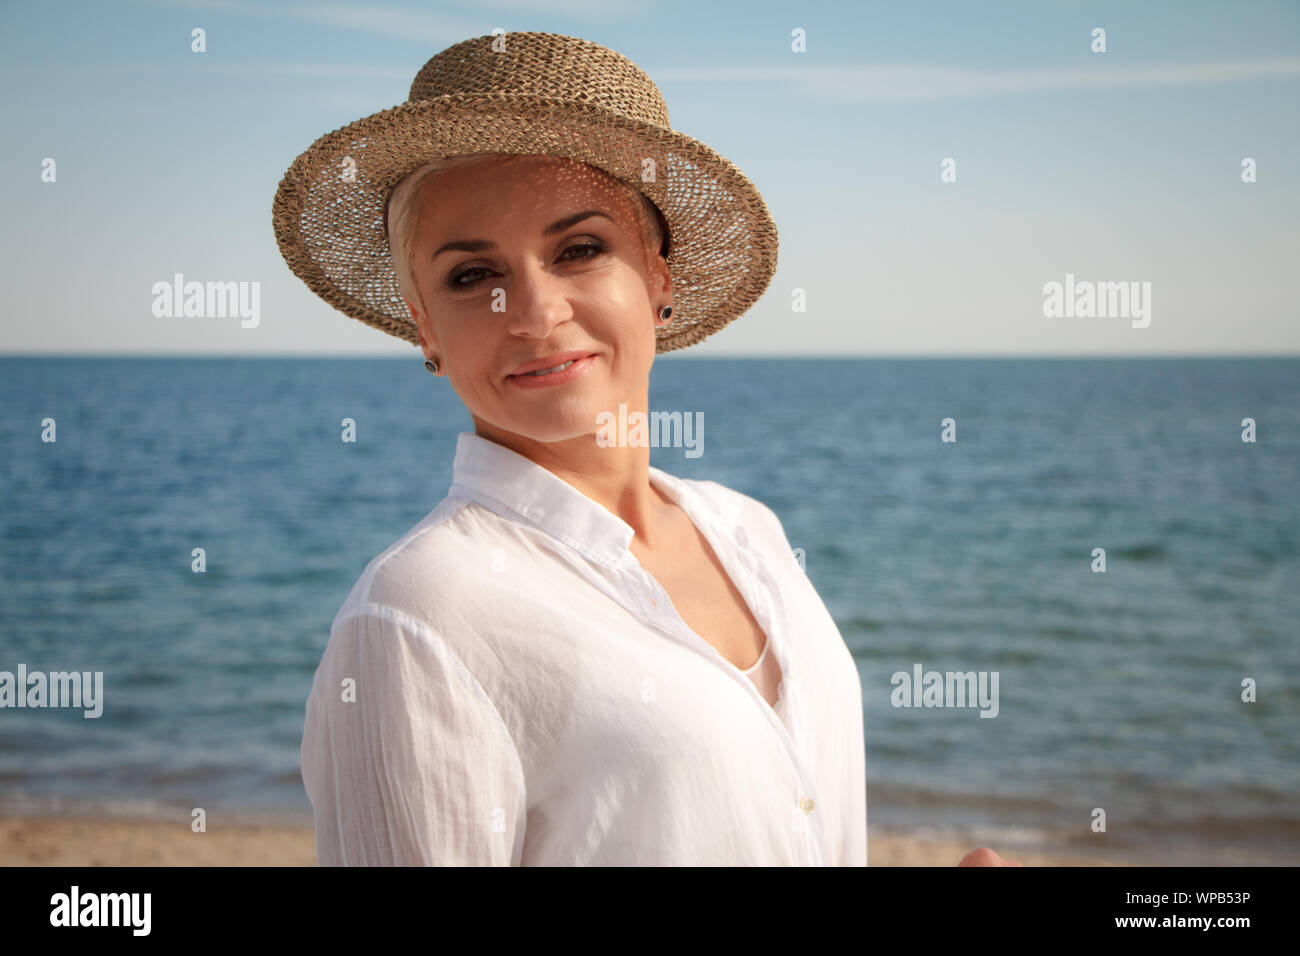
x=818, y=356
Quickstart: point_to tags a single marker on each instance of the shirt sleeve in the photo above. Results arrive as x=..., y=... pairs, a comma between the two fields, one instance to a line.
x=404, y=756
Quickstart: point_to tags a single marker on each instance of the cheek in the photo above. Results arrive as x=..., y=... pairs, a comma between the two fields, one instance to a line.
x=625, y=303
x=473, y=354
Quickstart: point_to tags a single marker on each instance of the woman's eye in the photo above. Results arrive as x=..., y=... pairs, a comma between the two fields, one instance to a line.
x=455, y=283
x=595, y=247
x=592, y=249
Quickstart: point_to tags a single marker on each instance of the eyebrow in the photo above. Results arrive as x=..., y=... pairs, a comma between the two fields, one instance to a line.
x=479, y=245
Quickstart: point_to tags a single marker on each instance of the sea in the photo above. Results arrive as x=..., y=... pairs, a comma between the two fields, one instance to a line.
x=1094, y=532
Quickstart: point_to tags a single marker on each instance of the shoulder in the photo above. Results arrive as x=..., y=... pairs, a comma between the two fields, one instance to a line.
x=429, y=574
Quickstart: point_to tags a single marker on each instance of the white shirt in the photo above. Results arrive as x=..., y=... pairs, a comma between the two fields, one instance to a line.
x=506, y=685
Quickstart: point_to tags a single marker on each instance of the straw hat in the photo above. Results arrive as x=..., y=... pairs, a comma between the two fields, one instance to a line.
x=526, y=93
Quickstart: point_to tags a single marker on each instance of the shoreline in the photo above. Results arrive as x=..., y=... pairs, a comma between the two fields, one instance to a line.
x=257, y=840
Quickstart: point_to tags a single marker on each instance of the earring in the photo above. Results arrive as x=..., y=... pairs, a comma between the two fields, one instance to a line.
x=432, y=366
x=665, y=312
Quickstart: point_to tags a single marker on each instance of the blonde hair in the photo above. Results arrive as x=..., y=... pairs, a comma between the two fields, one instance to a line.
x=401, y=219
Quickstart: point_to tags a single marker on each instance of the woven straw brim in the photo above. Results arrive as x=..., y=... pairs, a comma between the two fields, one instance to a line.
x=329, y=208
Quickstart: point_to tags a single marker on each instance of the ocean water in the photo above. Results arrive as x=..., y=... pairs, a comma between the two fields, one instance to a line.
x=1119, y=690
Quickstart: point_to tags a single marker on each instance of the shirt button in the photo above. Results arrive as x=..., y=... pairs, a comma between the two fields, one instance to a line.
x=806, y=804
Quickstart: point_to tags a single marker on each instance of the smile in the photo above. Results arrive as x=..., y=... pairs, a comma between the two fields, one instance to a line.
x=558, y=368
x=560, y=374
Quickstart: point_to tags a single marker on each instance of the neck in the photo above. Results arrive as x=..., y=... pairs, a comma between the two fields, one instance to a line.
x=616, y=477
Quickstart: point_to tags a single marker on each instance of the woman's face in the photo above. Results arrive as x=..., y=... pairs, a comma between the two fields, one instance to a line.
x=507, y=276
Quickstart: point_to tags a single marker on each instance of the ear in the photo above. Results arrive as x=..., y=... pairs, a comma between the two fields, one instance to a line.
x=662, y=283
x=420, y=322
x=661, y=280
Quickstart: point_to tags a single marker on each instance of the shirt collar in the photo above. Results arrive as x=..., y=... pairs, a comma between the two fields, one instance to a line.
x=507, y=482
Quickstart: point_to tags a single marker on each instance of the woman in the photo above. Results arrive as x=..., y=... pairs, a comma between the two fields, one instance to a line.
x=575, y=658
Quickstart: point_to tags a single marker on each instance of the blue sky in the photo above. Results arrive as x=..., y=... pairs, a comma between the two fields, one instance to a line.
x=1122, y=166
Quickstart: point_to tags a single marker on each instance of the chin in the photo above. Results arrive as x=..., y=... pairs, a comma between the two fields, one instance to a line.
x=556, y=429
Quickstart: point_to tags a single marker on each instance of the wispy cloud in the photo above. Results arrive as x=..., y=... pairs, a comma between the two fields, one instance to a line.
x=340, y=71
x=879, y=82
x=387, y=20
x=926, y=82
x=575, y=8
x=414, y=22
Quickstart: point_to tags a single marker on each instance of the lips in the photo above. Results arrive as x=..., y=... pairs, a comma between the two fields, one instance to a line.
x=548, y=362
x=569, y=373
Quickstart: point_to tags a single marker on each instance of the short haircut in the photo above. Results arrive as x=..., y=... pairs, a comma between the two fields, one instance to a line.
x=401, y=220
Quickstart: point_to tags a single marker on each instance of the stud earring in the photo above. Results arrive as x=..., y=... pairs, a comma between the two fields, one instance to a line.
x=432, y=366
x=665, y=312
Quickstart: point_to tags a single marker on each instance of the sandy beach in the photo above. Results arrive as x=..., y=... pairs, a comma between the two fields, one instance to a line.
x=89, y=841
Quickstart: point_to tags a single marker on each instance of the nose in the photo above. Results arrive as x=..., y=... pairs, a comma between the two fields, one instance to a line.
x=536, y=301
